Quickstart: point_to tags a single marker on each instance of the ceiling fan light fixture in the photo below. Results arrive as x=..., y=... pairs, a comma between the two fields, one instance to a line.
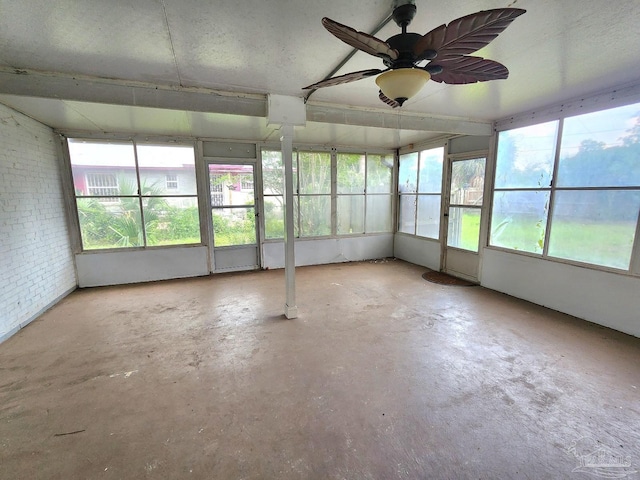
x=403, y=83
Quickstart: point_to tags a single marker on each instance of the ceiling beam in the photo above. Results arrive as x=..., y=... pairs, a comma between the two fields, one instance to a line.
x=139, y=94
x=136, y=94
x=395, y=120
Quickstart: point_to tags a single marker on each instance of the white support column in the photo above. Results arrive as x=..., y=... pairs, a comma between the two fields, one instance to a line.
x=286, y=138
x=288, y=112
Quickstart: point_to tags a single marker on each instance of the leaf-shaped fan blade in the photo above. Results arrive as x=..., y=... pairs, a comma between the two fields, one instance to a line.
x=360, y=40
x=387, y=100
x=467, y=34
x=349, y=77
x=459, y=70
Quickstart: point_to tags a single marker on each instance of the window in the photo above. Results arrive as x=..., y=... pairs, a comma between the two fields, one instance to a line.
x=420, y=191
x=171, y=181
x=524, y=168
x=363, y=200
x=273, y=194
x=102, y=184
x=122, y=197
x=233, y=211
x=362, y=193
x=314, y=194
x=465, y=203
x=351, y=175
x=379, y=194
x=590, y=205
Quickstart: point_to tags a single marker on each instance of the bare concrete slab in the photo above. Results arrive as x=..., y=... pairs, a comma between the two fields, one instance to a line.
x=383, y=375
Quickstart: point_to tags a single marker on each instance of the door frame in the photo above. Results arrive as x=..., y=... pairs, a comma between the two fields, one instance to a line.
x=253, y=162
x=444, y=224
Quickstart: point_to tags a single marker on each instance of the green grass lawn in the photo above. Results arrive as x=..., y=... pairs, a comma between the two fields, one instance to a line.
x=607, y=244
x=464, y=229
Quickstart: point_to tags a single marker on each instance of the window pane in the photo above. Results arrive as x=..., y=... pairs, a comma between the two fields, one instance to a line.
x=464, y=228
x=525, y=156
x=350, y=214
x=378, y=213
x=233, y=226
x=407, y=214
x=519, y=220
x=428, y=216
x=231, y=184
x=595, y=227
x=408, y=173
x=467, y=182
x=315, y=216
x=171, y=220
x=350, y=172
x=600, y=150
x=431, y=170
x=273, y=217
x=103, y=168
x=108, y=224
x=379, y=173
x=314, y=172
x=167, y=169
x=272, y=173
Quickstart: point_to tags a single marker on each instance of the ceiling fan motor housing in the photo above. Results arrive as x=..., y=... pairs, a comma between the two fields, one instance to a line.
x=403, y=43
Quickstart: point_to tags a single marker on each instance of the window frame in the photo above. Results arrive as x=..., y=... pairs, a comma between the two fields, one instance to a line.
x=297, y=195
x=553, y=189
x=418, y=194
x=139, y=196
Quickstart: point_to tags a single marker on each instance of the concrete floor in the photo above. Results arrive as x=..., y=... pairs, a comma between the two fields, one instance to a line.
x=383, y=376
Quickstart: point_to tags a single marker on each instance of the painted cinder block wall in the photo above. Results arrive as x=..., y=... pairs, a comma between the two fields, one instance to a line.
x=36, y=261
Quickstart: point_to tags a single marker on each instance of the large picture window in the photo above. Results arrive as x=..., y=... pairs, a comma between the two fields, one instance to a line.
x=587, y=211
x=420, y=191
x=362, y=193
x=134, y=195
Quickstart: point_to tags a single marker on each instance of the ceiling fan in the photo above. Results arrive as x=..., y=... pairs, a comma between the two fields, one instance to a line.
x=445, y=48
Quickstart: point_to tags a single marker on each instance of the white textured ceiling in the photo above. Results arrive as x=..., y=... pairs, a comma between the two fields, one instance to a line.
x=556, y=51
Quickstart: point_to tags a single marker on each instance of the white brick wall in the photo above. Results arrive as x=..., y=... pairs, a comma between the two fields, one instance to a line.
x=36, y=262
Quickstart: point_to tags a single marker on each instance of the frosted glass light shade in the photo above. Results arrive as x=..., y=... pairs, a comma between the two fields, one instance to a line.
x=403, y=83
